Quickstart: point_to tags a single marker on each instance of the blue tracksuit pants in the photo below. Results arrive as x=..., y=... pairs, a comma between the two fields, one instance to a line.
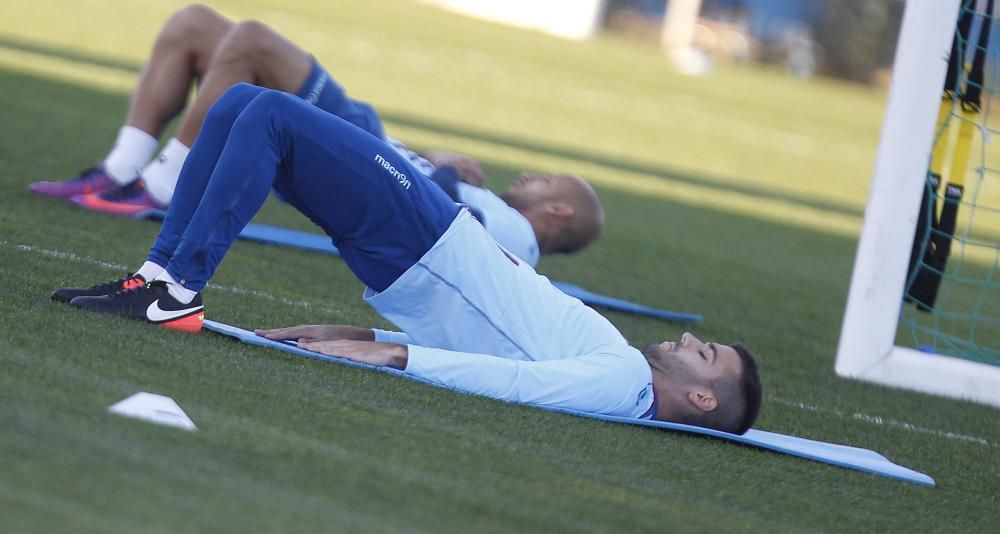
x=379, y=211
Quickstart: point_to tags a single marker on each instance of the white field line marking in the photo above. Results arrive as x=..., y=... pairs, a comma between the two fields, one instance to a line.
x=884, y=421
x=66, y=256
x=69, y=256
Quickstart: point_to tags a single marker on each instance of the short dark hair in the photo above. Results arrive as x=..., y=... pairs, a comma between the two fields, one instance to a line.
x=737, y=395
x=750, y=388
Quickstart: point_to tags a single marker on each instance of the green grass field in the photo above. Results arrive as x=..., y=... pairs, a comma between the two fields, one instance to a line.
x=738, y=196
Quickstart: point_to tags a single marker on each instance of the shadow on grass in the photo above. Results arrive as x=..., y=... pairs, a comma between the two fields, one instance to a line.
x=547, y=149
x=43, y=49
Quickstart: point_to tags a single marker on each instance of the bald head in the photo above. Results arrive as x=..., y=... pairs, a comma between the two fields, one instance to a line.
x=563, y=210
x=587, y=221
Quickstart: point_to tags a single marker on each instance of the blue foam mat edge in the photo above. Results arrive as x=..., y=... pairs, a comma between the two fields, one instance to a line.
x=274, y=235
x=839, y=455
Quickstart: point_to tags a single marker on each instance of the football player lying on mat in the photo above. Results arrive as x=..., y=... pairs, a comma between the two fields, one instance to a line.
x=199, y=45
x=472, y=316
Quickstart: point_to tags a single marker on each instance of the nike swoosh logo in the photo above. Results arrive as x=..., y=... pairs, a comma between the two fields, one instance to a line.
x=157, y=315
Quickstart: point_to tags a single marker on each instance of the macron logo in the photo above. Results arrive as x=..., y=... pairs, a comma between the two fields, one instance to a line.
x=317, y=87
x=400, y=177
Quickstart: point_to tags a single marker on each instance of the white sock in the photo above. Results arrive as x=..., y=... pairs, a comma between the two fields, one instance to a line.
x=179, y=292
x=161, y=174
x=132, y=150
x=149, y=271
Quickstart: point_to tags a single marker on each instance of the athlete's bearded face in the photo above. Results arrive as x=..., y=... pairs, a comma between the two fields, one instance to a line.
x=692, y=361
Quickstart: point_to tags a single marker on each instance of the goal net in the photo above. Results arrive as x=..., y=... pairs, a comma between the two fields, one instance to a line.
x=923, y=310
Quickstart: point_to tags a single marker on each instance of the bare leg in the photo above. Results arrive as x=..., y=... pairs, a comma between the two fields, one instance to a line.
x=182, y=53
x=250, y=52
x=196, y=43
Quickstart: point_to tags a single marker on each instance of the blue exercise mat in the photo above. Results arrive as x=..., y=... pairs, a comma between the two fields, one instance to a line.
x=594, y=299
x=829, y=453
x=273, y=235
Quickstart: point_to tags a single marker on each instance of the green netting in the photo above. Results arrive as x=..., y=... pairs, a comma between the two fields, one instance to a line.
x=965, y=319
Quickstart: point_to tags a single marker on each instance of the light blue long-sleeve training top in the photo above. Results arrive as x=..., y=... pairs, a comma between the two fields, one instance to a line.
x=479, y=320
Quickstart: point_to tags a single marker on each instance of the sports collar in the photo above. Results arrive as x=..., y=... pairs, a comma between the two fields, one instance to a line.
x=651, y=412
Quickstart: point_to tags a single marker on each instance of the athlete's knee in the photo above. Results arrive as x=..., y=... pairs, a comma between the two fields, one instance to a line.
x=241, y=93
x=229, y=106
x=270, y=102
x=249, y=40
x=268, y=111
x=188, y=26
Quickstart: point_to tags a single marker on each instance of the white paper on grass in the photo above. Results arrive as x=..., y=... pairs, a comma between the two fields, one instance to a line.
x=154, y=408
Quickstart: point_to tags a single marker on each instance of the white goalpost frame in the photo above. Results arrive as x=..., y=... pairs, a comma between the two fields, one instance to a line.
x=867, y=348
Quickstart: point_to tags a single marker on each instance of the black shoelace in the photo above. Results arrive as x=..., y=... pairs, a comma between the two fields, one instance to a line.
x=124, y=192
x=87, y=174
x=141, y=294
x=113, y=286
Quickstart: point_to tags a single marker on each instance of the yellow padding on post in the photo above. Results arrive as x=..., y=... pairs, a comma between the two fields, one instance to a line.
x=941, y=143
x=960, y=158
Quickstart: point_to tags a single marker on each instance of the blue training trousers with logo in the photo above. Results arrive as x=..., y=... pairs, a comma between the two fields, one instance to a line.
x=379, y=211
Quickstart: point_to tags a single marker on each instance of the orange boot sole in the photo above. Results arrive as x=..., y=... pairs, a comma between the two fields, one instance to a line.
x=191, y=323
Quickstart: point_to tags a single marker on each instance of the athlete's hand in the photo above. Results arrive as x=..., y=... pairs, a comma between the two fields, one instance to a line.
x=317, y=332
x=370, y=352
x=468, y=169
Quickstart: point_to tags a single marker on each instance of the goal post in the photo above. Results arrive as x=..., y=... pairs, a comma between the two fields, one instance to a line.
x=867, y=348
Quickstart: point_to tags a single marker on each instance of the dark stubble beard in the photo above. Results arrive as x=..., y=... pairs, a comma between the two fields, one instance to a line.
x=667, y=363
